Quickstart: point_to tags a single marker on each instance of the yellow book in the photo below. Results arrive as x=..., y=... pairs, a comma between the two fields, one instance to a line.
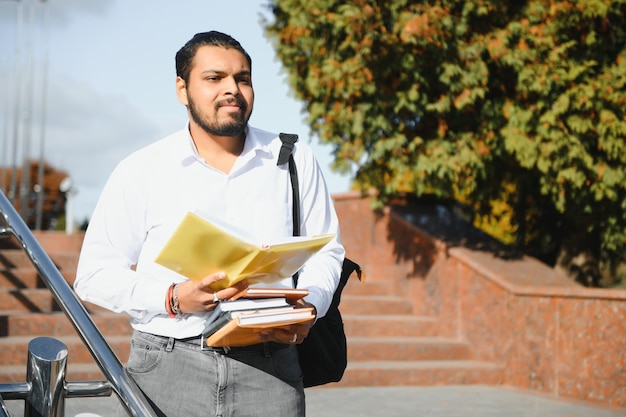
x=200, y=246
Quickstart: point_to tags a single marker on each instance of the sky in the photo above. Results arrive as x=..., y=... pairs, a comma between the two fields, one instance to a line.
x=108, y=82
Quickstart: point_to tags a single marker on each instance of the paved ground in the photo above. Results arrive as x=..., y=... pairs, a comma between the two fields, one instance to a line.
x=454, y=401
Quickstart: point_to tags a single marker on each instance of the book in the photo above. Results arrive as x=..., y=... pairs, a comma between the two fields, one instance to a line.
x=201, y=246
x=291, y=294
x=243, y=328
x=243, y=304
x=225, y=316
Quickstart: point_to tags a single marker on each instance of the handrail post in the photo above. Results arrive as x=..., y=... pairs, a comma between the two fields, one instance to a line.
x=45, y=372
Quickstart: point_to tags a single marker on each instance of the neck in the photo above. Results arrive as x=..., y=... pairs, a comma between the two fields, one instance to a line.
x=220, y=152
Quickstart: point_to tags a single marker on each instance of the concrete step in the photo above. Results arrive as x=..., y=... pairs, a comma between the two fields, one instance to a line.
x=15, y=348
x=420, y=373
x=17, y=258
x=374, y=304
x=406, y=349
x=356, y=287
x=21, y=323
x=14, y=258
x=389, y=325
x=23, y=277
x=35, y=300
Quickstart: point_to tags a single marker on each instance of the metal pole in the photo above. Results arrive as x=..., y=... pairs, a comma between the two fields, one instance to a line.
x=40, y=172
x=45, y=371
x=25, y=188
x=17, y=109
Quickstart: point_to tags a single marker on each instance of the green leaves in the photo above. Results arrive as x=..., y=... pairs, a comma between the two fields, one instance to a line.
x=468, y=100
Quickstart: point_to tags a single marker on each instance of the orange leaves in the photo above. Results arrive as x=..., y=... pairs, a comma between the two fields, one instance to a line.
x=442, y=128
x=522, y=45
x=424, y=26
x=496, y=47
x=462, y=98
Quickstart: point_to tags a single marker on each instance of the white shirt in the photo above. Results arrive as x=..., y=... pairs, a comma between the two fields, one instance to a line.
x=150, y=191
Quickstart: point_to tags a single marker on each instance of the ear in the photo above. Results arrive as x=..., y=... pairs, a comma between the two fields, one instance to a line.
x=181, y=91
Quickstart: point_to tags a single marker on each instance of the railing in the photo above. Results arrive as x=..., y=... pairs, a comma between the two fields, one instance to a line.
x=45, y=390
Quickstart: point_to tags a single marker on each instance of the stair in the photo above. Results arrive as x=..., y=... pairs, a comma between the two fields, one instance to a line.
x=387, y=343
x=28, y=310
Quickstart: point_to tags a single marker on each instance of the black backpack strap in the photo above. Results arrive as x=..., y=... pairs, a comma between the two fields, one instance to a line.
x=288, y=140
x=284, y=156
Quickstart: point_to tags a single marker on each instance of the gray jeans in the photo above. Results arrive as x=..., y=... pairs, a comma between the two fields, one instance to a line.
x=181, y=379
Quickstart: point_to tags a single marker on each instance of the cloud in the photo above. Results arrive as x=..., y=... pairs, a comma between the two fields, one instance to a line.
x=89, y=132
x=61, y=12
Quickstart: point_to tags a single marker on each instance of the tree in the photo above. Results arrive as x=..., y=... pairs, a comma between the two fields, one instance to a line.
x=491, y=103
x=54, y=199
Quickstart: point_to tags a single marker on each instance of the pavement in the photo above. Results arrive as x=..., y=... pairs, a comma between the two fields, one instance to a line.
x=439, y=401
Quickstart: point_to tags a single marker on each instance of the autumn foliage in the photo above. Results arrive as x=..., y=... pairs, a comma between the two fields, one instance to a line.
x=25, y=202
x=517, y=109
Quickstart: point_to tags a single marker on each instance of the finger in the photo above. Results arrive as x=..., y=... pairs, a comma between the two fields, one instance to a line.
x=211, y=279
x=236, y=291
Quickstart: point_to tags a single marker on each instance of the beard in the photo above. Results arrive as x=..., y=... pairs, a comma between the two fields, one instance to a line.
x=233, y=127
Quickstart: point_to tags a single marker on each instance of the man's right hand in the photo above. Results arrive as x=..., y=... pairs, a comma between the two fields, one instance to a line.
x=198, y=297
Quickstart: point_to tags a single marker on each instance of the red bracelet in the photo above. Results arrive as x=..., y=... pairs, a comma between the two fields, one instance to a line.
x=168, y=301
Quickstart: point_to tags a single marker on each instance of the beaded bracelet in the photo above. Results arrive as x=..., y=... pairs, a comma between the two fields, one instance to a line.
x=174, y=302
x=168, y=301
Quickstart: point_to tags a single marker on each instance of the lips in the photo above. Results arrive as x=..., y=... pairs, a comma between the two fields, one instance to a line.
x=233, y=104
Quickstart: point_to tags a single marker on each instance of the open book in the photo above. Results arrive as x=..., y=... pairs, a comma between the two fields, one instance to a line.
x=201, y=246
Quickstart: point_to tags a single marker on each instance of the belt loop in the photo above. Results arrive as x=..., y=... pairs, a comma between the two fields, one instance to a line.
x=170, y=344
x=267, y=350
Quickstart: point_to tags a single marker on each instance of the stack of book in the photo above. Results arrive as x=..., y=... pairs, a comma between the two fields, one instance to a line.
x=238, y=322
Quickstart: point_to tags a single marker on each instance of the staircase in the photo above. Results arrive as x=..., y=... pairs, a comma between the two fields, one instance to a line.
x=28, y=310
x=387, y=343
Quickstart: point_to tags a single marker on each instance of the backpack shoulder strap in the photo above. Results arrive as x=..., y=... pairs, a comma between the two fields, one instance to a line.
x=288, y=139
x=284, y=156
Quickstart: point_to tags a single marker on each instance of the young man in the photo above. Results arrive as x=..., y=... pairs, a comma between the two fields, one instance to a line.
x=221, y=166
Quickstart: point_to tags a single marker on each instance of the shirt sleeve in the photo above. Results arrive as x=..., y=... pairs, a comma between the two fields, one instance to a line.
x=320, y=275
x=106, y=275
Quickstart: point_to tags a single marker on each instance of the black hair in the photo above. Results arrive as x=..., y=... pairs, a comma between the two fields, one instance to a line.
x=185, y=55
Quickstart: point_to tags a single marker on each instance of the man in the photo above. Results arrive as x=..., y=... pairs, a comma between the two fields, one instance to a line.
x=221, y=166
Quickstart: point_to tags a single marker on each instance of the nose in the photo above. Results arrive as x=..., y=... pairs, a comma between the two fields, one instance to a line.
x=232, y=87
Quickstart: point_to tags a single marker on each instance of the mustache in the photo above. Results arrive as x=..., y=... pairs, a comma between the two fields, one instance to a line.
x=232, y=100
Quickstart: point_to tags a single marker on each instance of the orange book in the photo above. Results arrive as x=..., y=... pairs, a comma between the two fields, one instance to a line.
x=290, y=294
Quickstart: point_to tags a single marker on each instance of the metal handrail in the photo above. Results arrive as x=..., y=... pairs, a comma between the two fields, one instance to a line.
x=122, y=384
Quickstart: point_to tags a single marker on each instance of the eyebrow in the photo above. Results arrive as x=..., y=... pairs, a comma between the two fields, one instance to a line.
x=220, y=72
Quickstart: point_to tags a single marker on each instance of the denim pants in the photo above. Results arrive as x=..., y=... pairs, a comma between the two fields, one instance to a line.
x=181, y=379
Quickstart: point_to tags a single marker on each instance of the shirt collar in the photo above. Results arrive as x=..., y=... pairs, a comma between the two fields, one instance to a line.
x=254, y=145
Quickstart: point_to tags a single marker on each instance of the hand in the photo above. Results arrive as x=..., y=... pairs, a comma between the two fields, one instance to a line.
x=198, y=297
x=293, y=334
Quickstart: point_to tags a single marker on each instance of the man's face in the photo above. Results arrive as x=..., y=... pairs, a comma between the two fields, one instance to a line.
x=219, y=93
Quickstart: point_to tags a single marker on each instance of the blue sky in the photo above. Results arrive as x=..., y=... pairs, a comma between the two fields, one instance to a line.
x=110, y=81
